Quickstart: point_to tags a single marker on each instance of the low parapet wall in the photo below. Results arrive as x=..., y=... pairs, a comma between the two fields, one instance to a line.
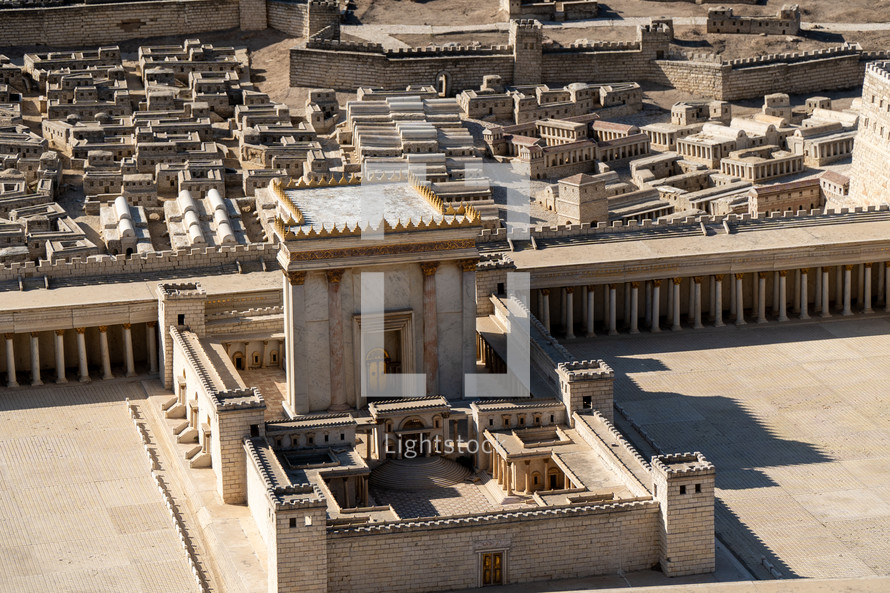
x=96, y=24
x=149, y=263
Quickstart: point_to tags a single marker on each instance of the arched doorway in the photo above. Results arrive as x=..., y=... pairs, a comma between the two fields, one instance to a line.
x=238, y=361
x=410, y=441
x=443, y=84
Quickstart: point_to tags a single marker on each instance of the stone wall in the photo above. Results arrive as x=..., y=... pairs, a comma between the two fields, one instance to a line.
x=225, y=259
x=96, y=24
x=579, y=542
x=870, y=177
x=287, y=17
x=347, y=66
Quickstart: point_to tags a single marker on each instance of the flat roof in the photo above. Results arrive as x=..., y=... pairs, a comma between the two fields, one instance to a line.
x=353, y=204
x=687, y=241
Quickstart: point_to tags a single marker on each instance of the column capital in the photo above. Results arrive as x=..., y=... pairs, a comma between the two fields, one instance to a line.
x=468, y=265
x=719, y=277
x=126, y=325
x=35, y=334
x=739, y=275
x=60, y=332
x=570, y=290
x=334, y=276
x=887, y=264
x=804, y=270
x=849, y=267
x=295, y=278
x=697, y=279
x=545, y=291
x=867, y=265
x=429, y=267
x=103, y=329
x=612, y=286
x=783, y=273
x=635, y=284
x=9, y=335
x=762, y=275
x=151, y=324
x=656, y=282
x=678, y=281
x=81, y=330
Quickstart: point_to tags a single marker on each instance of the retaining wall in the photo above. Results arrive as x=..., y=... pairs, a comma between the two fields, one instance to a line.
x=98, y=24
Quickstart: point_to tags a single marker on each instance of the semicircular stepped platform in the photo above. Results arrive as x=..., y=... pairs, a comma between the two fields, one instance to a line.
x=421, y=473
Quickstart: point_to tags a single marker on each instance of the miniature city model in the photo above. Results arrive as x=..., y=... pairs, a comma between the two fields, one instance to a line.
x=263, y=282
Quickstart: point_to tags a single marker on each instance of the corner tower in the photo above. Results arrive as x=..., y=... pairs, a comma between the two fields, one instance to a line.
x=869, y=176
x=526, y=37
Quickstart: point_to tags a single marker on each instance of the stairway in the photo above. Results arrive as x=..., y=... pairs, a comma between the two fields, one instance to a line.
x=421, y=473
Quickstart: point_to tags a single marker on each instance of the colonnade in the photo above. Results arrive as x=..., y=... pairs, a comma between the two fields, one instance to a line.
x=83, y=371
x=520, y=475
x=675, y=303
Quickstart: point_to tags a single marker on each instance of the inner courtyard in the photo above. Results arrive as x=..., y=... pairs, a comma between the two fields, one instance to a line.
x=796, y=417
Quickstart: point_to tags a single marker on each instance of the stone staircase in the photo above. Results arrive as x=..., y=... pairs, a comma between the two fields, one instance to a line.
x=421, y=473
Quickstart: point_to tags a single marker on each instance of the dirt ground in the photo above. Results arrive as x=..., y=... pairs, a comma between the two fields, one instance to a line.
x=456, y=12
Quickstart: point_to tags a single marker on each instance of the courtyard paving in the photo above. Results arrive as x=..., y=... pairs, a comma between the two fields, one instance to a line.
x=796, y=417
x=79, y=510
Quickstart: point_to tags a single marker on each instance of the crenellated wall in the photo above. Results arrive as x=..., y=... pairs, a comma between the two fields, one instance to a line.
x=95, y=24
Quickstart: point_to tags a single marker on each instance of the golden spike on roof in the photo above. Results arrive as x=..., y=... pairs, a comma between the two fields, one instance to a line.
x=301, y=183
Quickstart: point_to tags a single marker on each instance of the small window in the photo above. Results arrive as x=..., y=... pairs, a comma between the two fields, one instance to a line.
x=491, y=421
x=293, y=522
x=342, y=437
x=682, y=489
x=522, y=421
x=254, y=430
x=698, y=488
x=587, y=402
x=500, y=288
x=310, y=439
x=552, y=420
x=326, y=438
x=180, y=319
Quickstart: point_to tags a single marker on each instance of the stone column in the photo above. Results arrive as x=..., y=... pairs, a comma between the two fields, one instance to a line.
x=817, y=301
x=826, y=301
x=866, y=289
x=739, y=300
x=647, y=309
x=151, y=344
x=613, y=321
x=796, y=299
x=430, y=328
x=103, y=347
x=712, y=313
x=775, y=293
x=656, y=304
x=60, y=356
x=562, y=306
x=783, y=295
x=733, y=307
x=35, y=359
x=335, y=326
x=690, y=310
x=696, y=317
x=761, y=297
x=804, y=304
x=128, y=350
x=570, y=312
x=718, y=300
x=839, y=287
x=675, y=316
x=545, y=295
x=468, y=284
x=634, y=307
x=591, y=295
x=848, y=280
x=882, y=292
x=886, y=287
x=860, y=285
x=83, y=372
x=10, y=361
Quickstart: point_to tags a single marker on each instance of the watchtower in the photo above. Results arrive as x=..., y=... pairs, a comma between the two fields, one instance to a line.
x=684, y=486
x=526, y=37
x=182, y=306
